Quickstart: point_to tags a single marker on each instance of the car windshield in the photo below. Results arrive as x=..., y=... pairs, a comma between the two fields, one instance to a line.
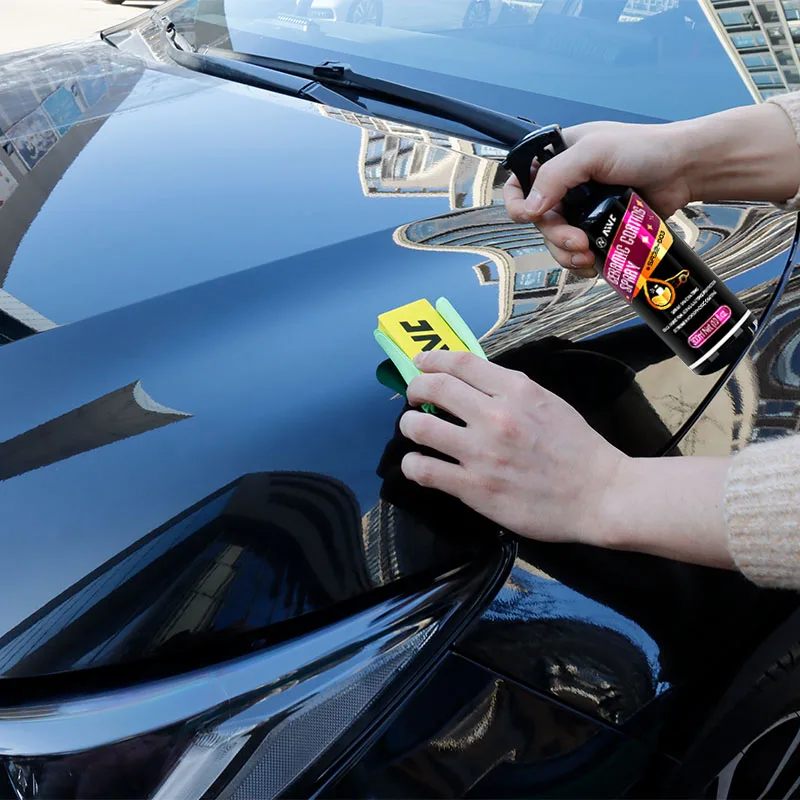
x=657, y=59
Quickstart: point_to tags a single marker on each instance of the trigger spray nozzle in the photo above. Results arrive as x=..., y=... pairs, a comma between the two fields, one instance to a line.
x=541, y=144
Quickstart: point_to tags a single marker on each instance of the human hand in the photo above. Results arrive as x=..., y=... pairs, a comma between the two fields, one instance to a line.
x=526, y=459
x=651, y=158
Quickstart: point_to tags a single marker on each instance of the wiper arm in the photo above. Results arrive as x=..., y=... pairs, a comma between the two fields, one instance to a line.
x=306, y=80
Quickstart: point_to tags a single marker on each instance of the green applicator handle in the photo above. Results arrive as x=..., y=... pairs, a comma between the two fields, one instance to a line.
x=460, y=328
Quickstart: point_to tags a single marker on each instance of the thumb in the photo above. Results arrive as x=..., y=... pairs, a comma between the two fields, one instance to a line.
x=568, y=169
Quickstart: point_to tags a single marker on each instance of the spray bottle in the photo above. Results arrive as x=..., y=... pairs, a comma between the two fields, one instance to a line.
x=651, y=268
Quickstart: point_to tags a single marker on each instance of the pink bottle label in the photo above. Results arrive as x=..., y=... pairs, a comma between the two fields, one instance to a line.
x=710, y=327
x=640, y=243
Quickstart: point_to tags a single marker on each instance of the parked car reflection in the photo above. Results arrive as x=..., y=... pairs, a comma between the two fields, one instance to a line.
x=407, y=14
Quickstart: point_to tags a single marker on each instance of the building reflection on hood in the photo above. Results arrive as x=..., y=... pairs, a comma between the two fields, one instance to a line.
x=535, y=296
x=776, y=373
x=55, y=101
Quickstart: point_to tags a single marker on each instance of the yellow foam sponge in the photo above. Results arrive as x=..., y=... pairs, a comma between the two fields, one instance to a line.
x=419, y=326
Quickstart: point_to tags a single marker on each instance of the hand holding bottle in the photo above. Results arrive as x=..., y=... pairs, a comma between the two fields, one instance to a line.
x=746, y=153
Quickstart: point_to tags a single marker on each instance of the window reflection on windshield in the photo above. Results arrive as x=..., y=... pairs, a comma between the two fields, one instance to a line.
x=659, y=58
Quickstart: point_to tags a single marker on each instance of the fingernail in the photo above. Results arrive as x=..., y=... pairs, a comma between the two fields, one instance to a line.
x=534, y=202
x=407, y=465
x=419, y=359
x=569, y=244
x=581, y=260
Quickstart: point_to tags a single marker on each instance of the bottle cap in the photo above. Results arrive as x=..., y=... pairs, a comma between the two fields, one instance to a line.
x=541, y=144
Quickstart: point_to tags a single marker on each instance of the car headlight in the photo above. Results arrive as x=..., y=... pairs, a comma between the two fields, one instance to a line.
x=246, y=728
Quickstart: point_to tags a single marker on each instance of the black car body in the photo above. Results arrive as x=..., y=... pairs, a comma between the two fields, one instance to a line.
x=206, y=592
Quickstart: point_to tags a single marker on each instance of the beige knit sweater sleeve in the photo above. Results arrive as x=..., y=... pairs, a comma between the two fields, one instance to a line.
x=762, y=497
x=762, y=512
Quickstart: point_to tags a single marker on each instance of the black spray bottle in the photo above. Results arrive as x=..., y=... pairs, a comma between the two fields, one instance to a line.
x=656, y=272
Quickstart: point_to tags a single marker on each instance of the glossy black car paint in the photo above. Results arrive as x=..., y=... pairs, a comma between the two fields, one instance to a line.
x=473, y=733
x=191, y=429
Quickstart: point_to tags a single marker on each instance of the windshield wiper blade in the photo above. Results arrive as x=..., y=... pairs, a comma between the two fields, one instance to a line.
x=347, y=86
x=503, y=128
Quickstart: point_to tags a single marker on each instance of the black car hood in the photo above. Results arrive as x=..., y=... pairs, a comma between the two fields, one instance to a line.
x=192, y=274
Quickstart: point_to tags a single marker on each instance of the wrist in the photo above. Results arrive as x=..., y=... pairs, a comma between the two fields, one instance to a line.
x=692, y=143
x=670, y=507
x=601, y=518
x=609, y=524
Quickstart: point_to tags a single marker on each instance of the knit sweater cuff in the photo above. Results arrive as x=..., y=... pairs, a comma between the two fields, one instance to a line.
x=790, y=103
x=762, y=512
